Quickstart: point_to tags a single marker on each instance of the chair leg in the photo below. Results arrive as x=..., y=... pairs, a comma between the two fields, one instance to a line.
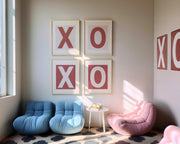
x=89, y=120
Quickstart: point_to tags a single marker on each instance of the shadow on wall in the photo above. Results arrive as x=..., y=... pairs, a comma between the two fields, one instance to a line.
x=164, y=116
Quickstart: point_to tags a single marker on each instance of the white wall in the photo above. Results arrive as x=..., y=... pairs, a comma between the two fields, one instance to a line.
x=132, y=46
x=10, y=106
x=166, y=82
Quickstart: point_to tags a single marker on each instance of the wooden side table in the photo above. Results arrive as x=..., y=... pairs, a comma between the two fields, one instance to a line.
x=101, y=114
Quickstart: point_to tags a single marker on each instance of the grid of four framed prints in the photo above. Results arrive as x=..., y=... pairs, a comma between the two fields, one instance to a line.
x=65, y=41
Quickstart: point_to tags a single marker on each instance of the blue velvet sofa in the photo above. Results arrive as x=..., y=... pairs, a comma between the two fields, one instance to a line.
x=69, y=117
x=36, y=118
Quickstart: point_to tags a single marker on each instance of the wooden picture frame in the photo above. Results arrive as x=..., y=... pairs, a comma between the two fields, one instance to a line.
x=162, y=52
x=65, y=76
x=98, y=37
x=97, y=77
x=175, y=50
x=65, y=37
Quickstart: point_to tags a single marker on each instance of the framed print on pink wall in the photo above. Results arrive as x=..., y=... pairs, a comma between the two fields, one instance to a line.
x=175, y=50
x=162, y=52
x=97, y=76
x=98, y=37
x=65, y=76
x=65, y=37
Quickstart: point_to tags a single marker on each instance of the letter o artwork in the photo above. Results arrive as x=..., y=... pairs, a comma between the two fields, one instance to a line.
x=98, y=75
x=103, y=37
x=98, y=37
x=175, y=50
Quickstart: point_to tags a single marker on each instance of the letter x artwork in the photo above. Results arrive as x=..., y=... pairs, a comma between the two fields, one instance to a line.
x=65, y=37
x=162, y=52
x=65, y=76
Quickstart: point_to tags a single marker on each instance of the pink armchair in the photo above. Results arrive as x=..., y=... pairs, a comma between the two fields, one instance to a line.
x=138, y=122
x=171, y=135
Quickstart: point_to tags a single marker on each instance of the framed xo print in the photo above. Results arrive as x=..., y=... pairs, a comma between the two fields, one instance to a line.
x=65, y=76
x=162, y=52
x=175, y=50
x=65, y=37
x=98, y=37
x=97, y=76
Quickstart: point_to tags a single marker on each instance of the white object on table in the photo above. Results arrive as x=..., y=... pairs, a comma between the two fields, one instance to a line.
x=101, y=115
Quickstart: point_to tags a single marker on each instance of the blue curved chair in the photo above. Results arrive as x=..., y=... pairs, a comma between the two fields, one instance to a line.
x=69, y=117
x=36, y=118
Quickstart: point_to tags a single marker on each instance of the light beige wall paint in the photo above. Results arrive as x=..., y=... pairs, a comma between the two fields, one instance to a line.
x=166, y=82
x=10, y=106
x=132, y=46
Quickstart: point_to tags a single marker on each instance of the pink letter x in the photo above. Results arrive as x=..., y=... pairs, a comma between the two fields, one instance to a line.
x=65, y=37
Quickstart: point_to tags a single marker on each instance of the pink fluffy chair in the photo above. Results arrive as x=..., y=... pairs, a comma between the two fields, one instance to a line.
x=171, y=135
x=138, y=122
